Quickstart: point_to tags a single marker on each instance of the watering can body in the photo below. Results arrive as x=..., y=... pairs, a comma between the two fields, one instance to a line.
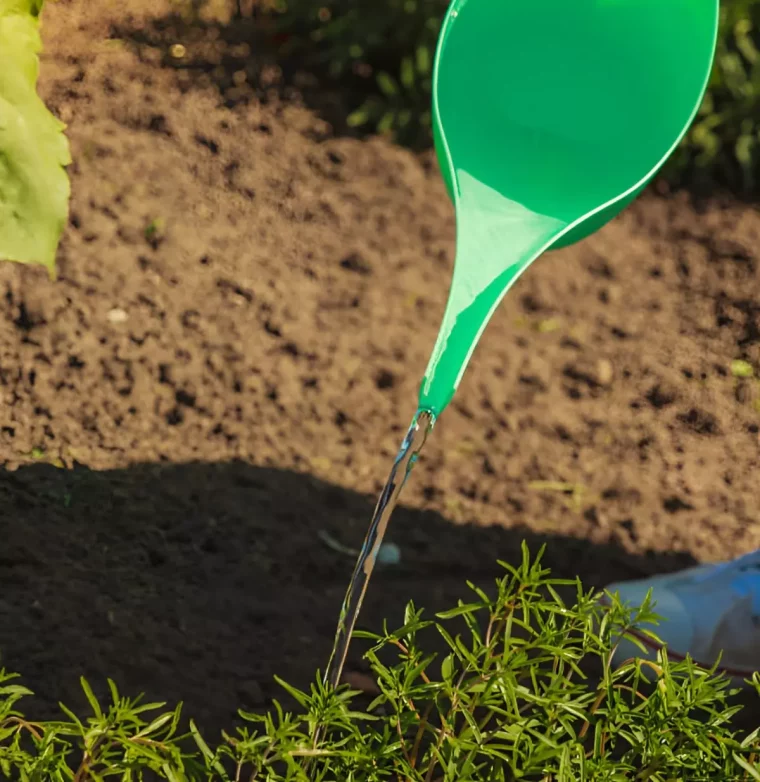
x=574, y=102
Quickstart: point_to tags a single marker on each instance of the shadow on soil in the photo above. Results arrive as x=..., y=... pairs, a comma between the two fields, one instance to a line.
x=245, y=60
x=200, y=582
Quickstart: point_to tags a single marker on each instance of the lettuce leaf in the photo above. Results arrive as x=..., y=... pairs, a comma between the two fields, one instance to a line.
x=34, y=186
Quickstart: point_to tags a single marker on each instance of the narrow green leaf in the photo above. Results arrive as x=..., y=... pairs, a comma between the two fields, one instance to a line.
x=423, y=60
x=156, y=725
x=114, y=690
x=91, y=699
x=358, y=118
x=447, y=668
x=301, y=697
x=386, y=122
x=14, y=690
x=207, y=753
x=745, y=145
x=407, y=73
x=73, y=717
x=752, y=770
x=468, y=608
x=387, y=84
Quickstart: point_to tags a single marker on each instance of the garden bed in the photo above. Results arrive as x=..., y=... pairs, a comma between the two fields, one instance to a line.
x=231, y=353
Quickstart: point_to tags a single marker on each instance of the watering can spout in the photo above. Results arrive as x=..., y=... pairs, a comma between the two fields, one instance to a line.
x=492, y=222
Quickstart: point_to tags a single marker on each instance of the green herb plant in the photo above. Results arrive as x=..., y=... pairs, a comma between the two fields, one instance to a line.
x=525, y=689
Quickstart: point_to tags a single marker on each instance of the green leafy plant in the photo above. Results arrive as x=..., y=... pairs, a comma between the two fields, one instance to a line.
x=390, y=45
x=387, y=47
x=724, y=141
x=525, y=689
x=34, y=188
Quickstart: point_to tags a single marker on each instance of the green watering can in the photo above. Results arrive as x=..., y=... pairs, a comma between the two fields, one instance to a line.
x=550, y=117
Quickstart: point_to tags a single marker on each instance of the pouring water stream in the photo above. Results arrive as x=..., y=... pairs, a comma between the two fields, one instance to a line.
x=407, y=456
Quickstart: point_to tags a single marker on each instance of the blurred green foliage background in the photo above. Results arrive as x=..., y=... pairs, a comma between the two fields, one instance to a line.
x=388, y=46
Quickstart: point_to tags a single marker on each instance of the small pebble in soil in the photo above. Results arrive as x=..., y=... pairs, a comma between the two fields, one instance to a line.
x=604, y=372
x=117, y=315
x=389, y=554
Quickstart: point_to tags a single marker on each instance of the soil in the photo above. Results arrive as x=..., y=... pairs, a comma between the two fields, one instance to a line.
x=231, y=352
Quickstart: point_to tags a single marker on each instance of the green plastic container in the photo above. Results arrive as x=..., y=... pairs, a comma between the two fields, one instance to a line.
x=550, y=117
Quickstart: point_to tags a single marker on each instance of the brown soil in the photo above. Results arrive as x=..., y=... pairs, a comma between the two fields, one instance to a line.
x=231, y=354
